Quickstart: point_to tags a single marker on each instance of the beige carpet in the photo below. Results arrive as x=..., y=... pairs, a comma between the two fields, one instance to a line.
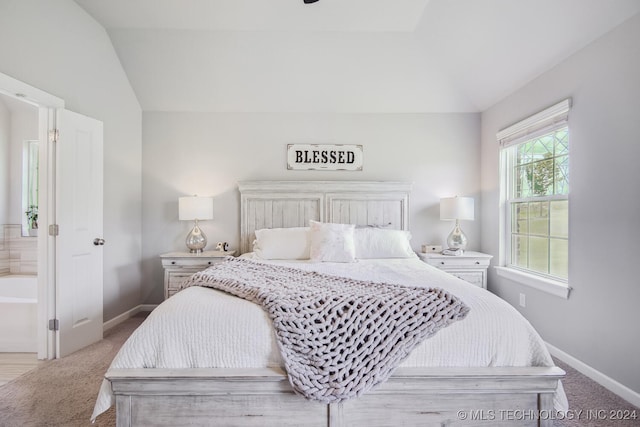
x=62, y=392
x=592, y=405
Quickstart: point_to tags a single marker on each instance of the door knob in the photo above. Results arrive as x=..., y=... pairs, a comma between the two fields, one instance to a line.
x=98, y=242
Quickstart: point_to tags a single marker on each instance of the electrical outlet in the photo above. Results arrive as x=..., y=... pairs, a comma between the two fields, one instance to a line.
x=523, y=301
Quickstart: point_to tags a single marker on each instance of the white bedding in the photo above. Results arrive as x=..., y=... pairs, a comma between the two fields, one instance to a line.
x=203, y=327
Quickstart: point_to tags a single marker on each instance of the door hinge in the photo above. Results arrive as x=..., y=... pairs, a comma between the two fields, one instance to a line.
x=54, y=324
x=53, y=135
x=53, y=229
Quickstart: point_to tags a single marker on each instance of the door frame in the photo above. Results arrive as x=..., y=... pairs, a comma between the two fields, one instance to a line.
x=47, y=105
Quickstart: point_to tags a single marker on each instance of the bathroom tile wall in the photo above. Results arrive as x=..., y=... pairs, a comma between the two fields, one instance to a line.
x=18, y=254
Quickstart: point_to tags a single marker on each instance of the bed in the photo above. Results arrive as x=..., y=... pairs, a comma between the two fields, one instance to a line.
x=453, y=378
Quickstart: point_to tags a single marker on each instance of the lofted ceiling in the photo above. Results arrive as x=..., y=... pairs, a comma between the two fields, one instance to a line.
x=344, y=56
x=258, y=15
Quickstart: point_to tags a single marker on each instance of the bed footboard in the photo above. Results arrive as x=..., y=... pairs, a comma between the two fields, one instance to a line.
x=263, y=397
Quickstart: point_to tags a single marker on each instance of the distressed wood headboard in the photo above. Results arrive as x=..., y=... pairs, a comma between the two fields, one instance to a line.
x=283, y=204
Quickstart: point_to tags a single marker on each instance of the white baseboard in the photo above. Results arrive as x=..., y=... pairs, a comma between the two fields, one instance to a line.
x=609, y=383
x=127, y=315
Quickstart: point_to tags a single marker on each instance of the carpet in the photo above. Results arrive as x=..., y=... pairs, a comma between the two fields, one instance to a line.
x=62, y=392
x=592, y=405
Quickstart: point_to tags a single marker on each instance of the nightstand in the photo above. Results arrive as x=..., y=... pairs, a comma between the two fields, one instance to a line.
x=470, y=266
x=179, y=266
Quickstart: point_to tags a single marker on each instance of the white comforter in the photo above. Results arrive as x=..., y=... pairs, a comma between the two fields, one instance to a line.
x=203, y=327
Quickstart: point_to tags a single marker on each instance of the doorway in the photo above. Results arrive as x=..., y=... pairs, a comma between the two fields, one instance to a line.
x=18, y=225
x=64, y=323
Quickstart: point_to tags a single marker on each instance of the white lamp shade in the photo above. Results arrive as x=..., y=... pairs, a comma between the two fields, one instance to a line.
x=194, y=207
x=457, y=208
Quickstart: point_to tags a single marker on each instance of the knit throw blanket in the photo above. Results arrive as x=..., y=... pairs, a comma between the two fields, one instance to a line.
x=338, y=337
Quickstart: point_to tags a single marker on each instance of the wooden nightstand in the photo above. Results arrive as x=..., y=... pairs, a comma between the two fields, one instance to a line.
x=179, y=266
x=470, y=267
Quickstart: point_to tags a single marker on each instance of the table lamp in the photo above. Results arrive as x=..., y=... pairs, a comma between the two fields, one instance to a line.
x=458, y=208
x=194, y=208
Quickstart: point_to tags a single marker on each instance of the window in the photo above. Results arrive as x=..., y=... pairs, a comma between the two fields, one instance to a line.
x=535, y=168
x=30, y=168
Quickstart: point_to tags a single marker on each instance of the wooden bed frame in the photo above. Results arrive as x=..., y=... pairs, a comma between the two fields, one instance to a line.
x=263, y=396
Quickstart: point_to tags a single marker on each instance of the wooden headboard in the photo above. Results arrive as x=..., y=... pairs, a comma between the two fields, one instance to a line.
x=283, y=204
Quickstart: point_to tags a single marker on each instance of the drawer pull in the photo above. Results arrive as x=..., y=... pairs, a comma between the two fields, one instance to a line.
x=209, y=263
x=173, y=262
x=442, y=262
x=477, y=262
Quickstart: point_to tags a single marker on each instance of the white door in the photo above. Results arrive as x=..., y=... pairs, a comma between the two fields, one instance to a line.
x=79, y=179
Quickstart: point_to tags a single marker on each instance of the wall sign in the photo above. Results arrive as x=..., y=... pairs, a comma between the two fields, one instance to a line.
x=324, y=157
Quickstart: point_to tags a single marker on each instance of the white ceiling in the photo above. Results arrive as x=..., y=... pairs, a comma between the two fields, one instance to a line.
x=345, y=56
x=258, y=15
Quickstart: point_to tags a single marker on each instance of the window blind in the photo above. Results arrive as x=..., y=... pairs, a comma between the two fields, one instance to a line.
x=540, y=123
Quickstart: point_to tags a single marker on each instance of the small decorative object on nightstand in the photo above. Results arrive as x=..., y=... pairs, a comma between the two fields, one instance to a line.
x=179, y=266
x=470, y=266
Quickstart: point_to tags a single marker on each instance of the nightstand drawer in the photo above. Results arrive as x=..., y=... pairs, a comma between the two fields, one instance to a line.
x=457, y=262
x=473, y=277
x=179, y=266
x=176, y=278
x=470, y=266
x=189, y=262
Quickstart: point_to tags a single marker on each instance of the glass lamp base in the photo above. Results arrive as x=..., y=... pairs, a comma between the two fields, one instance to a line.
x=457, y=239
x=196, y=240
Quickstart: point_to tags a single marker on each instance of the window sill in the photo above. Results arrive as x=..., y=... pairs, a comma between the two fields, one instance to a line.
x=549, y=286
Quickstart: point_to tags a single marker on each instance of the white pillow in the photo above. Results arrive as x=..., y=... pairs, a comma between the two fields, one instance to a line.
x=382, y=243
x=332, y=242
x=282, y=243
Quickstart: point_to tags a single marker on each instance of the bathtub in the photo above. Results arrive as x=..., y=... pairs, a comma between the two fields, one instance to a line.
x=18, y=313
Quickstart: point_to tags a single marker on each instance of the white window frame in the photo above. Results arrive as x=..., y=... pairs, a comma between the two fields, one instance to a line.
x=546, y=121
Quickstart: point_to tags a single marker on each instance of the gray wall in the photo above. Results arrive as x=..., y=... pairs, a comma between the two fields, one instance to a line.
x=208, y=153
x=599, y=323
x=57, y=47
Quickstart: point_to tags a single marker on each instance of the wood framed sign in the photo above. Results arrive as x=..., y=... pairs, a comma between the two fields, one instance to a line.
x=324, y=157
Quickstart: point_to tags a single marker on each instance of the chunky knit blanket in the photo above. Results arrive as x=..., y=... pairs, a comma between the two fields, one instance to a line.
x=338, y=337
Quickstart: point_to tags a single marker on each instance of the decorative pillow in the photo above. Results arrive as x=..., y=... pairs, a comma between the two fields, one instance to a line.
x=332, y=242
x=382, y=243
x=282, y=243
